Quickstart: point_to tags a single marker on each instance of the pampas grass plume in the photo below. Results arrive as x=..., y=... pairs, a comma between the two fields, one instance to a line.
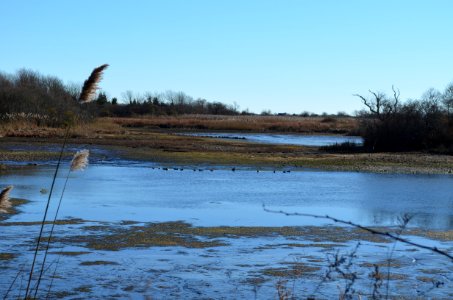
x=4, y=198
x=91, y=84
x=80, y=160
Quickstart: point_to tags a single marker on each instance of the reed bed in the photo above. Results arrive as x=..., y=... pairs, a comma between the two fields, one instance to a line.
x=288, y=124
x=29, y=129
x=118, y=126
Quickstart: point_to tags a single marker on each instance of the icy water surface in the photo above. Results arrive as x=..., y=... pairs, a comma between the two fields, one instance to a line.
x=229, y=266
x=289, y=139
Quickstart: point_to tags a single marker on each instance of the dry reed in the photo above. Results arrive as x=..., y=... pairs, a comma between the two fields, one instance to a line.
x=91, y=84
x=80, y=160
x=4, y=199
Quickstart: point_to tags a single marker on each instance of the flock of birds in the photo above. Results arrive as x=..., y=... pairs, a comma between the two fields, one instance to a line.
x=211, y=170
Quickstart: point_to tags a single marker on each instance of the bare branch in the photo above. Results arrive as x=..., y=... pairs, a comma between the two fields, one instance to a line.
x=396, y=94
x=396, y=97
x=367, y=104
x=370, y=230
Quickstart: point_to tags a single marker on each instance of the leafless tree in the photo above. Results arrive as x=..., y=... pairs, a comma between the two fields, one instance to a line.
x=380, y=105
x=128, y=96
x=447, y=98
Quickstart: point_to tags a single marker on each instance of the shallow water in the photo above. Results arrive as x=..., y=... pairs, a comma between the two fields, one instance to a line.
x=223, y=197
x=112, y=193
x=288, y=139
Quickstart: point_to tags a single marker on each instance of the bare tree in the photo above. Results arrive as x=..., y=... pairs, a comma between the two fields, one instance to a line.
x=128, y=96
x=447, y=98
x=432, y=95
x=380, y=105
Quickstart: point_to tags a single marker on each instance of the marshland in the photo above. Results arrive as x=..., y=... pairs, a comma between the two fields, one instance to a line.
x=191, y=206
x=228, y=150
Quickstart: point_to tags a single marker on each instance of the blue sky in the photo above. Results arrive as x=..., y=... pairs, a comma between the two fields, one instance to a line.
x=280, y=55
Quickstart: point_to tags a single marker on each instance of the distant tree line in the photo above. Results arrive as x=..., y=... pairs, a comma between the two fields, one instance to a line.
x=43, y=99
x=46, y=100
x=421, y=124
x=168, y=103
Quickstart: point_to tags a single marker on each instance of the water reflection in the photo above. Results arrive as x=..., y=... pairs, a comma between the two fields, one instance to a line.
x=290, y=139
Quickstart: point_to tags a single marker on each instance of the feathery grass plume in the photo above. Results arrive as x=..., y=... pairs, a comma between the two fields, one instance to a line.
x=80, y=160
x=91, y=84
x=4, y=199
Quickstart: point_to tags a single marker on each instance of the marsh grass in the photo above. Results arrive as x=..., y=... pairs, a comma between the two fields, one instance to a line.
x=284, y=124
x=95, y=128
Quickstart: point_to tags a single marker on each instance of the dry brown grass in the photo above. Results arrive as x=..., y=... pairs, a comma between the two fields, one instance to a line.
x=164, y=146
x=99, y=127
x=245, y=123
x=107, y=127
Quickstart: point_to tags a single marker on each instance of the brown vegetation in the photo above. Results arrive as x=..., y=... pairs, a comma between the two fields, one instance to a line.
x=105, y=126
x=340, y=125
x=148, y=142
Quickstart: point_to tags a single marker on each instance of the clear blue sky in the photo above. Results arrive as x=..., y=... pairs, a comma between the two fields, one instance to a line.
x=280, y=55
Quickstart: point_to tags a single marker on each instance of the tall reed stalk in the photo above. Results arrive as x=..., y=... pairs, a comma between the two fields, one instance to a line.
x=45, y=213
x=87, y=94
x=79, y=162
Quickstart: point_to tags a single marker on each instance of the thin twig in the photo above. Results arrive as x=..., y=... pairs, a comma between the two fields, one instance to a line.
x=36, y=285
x=12, y=283
x=370, y=230
x=403, y=224
x=53, y=275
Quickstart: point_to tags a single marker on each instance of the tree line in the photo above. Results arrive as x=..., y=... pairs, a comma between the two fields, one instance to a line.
x=417, y=124
x=46, y=100
x=42, y=99
x=168, y=103
x=387, y=123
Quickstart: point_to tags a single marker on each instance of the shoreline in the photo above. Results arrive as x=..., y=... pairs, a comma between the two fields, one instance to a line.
x=303, y=159
x=168, y=147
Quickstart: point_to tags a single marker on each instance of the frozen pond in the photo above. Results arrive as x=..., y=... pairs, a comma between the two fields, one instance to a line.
x=288, y=139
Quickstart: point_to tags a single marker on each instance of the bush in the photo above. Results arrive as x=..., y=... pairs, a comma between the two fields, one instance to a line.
x=345, y=147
